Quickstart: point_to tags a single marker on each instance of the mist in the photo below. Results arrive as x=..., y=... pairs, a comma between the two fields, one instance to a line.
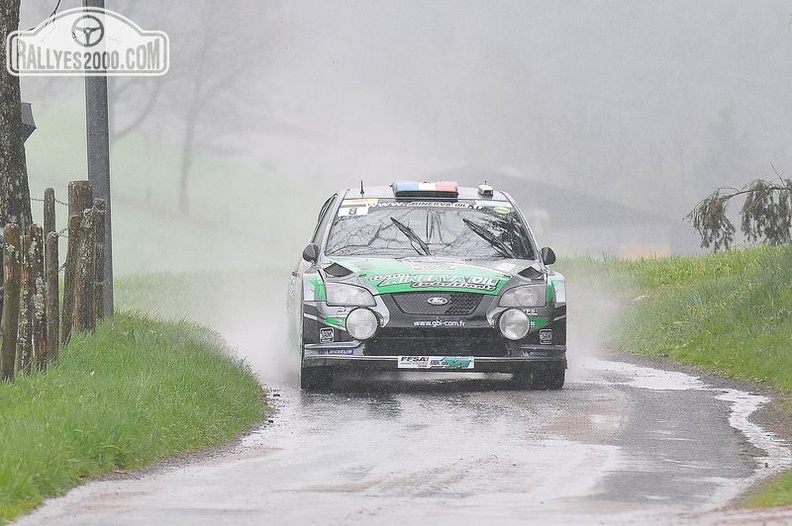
x=649, y=105
x=635, y=110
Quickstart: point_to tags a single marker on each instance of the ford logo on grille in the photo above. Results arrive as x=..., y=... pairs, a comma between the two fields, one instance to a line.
x=438, y=301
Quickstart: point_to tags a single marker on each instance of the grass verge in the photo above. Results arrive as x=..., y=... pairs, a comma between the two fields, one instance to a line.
x=730, y=313
x=136, y=391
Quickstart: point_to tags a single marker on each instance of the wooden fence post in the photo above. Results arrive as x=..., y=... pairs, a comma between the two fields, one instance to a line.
x=52, y=295
x=100, y=212
x=70, y=275
x=84, y=303
x=11, y=273
x=80, y=198
x=49, y=211
x=38, y=338
x=25, y=336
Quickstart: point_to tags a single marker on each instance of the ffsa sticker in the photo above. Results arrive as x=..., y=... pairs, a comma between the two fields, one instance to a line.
x=436, y=362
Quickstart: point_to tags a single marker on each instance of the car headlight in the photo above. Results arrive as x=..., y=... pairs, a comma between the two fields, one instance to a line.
x=514, y=324
x=362, y=324
x=527, y=296
x=340, y=294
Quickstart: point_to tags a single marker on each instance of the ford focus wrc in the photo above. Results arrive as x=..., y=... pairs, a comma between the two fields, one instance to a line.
x=427, y=277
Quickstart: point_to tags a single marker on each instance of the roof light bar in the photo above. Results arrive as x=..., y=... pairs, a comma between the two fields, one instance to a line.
x=441, y=189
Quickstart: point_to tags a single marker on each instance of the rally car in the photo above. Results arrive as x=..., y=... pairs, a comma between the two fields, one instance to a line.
x=427, y=277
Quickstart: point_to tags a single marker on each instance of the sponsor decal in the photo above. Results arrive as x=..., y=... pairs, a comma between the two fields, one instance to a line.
x=436, y=362
x=330, y=352
x=433, y=267
x=546, y=336
x=423, y=204
x=413, y=362
x=436, y=280
x=535, y=353
x=439, y=323
x=326, y=335
x=360, y=202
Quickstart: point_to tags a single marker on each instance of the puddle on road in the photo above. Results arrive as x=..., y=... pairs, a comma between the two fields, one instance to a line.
x=777, y=455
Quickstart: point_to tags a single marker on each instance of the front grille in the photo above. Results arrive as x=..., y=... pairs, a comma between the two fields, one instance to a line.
x=437, y=342
x=459, y=303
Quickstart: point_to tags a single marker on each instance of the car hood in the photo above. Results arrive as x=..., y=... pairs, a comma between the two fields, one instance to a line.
x=386, y=276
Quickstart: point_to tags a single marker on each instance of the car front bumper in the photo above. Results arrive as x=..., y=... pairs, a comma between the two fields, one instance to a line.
x=354, y=359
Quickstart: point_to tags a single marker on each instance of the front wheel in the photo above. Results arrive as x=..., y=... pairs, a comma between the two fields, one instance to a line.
x=316, y=378
x=551, y=376
x=542, y=376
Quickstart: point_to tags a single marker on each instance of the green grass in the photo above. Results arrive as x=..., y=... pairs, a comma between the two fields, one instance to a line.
x=134, y=392
x=730, y=313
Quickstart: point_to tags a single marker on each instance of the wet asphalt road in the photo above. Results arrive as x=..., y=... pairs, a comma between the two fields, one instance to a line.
x=619, y=443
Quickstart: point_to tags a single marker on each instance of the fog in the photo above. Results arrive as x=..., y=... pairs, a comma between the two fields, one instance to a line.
x=649, y=105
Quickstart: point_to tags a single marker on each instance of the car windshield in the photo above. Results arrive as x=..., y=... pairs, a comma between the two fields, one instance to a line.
x=463, y=229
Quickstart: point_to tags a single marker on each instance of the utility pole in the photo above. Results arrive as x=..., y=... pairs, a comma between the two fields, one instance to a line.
x=97, y=126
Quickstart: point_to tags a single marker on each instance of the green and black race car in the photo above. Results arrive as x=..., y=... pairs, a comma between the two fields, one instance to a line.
x=427, y=277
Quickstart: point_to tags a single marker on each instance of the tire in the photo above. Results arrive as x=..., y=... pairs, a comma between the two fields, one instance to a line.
x=316, y=378
x=523, y=378
x=550, y=376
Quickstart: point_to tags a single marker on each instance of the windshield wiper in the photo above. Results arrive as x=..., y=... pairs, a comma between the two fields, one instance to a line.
x=502, y=248
x=413, y=237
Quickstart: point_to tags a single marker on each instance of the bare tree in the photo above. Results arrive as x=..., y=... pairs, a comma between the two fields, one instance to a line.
x=766, y=214
x=14, y=188
x=204, y=94
x=133, y=100
x=134, y=97
x=214, y=80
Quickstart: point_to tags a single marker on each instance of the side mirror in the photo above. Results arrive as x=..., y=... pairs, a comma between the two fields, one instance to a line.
x=311, y=253
x=548, y=256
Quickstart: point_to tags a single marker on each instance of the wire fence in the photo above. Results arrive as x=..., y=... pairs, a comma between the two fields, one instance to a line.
x=35, y=322
x=58, y=201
